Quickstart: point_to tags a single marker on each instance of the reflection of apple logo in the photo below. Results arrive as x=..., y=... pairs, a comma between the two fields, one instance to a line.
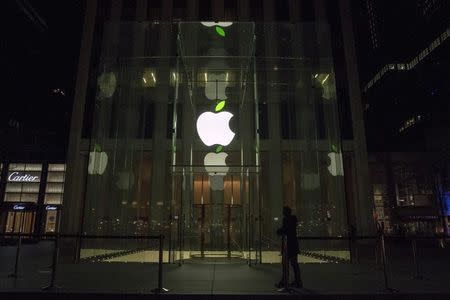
x=215, y=86
x=214, y=129
x=216, y=167
x=222, y=24
x=97, y=162
x=215, y=163
x=107, y=84
x=335, y=167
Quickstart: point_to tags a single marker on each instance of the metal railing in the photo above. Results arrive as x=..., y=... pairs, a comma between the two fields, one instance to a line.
x=380, y=250
x=56, y=237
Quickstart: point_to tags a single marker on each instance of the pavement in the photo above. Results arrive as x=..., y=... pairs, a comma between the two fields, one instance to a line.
x=222, y=278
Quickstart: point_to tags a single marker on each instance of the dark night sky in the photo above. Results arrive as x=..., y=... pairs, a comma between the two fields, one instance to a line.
x=40, y=53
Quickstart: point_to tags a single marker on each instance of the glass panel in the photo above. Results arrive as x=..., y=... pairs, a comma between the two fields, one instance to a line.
x=253, y=125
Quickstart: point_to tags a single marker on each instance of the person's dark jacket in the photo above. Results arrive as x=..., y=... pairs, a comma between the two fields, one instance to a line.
x=289, y=229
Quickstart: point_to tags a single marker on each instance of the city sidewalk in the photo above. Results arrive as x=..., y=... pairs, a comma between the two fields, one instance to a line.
x=219, y=278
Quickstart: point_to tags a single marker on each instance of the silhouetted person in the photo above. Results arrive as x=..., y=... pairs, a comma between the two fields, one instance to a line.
x=289, y=229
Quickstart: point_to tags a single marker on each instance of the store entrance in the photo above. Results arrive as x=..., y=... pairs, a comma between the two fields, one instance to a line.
x=218, y=217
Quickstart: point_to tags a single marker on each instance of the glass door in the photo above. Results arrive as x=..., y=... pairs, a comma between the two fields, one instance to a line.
x=220, y=219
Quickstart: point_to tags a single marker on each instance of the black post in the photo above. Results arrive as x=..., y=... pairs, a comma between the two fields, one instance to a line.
x=16, y=265
x=416, y=262
x=383, y=257
x=160, y=288
x=285, y=266
x=228, y=231
x=54, y=264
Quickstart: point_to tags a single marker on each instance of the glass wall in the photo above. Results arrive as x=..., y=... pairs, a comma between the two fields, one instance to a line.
x=203, y=131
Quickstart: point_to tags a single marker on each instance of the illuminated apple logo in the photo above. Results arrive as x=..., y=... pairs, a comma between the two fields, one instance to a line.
x=97, y=161
x=335, y=167
x=214, y=129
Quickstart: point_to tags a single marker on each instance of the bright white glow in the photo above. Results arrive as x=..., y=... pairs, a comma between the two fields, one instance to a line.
x=206, y=77
x=326, y=77
x=153, y=76
x=214, y=128
x=97, y=163
x=215, y=163
x=335, y=167
x=145, y=81
x=315, y=76
x=221, y=24
x=226, y=77
x=174, y=76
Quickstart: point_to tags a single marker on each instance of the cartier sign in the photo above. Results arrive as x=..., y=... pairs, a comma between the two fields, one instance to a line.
x=22, y=177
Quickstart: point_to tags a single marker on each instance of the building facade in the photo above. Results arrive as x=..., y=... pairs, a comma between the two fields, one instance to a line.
x=201, y=119
x=405, y=83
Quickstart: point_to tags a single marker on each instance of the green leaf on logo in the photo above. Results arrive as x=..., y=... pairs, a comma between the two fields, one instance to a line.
x=220, y=105
x=220, y=31
x=219, y=148
x=97, y=148
x=334, y=148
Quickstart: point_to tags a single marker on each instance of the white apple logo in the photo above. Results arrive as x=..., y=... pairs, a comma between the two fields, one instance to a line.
x=335, y=167
x=214, y=129
x=97, y=162
x=215, y=86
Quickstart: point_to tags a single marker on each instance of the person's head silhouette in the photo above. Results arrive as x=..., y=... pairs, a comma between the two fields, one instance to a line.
x=287, y=211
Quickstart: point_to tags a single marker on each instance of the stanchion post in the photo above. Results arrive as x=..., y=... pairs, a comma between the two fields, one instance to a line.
x=17, y=260
x=160, y=289
x=415, y=259
x=383, y=257
x=54, y=264
x=285, y=266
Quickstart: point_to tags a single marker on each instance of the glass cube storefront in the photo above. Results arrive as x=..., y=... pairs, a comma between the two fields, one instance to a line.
x=203, y=131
